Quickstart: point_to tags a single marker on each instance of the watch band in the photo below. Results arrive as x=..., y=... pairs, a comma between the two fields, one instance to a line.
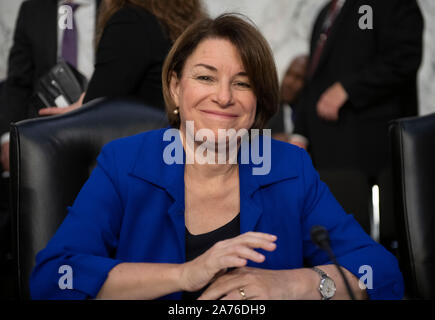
x=322, y=273
x=323, y=279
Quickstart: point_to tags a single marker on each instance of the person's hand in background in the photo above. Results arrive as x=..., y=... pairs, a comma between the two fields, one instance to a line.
x=5, y=156
x=282, y=136
x=299, y=144
x=56, y=110
x=331, y=101
x=294, y=139
x=299, y=140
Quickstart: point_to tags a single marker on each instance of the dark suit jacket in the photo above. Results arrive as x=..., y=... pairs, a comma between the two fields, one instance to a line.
x=130, y=58
x=33, y=53
x=276, y=123
x=378, y=69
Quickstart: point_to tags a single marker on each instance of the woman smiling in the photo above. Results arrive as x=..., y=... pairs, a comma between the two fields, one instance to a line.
x=150, y=230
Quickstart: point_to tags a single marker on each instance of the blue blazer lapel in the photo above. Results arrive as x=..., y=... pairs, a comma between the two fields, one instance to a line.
x=250, y=211
x=251, y=208
x=149, y=166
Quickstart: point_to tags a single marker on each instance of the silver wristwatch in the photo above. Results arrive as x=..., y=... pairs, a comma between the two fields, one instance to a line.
x=327, y=285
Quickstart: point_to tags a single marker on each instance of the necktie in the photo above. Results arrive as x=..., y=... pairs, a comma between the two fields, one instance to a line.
x=329, y=20
x=69, y=42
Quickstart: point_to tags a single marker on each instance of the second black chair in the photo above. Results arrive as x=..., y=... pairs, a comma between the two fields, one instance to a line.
x=413, y=154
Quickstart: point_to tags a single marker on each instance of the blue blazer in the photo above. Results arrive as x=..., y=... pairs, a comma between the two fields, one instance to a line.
x=132, y=210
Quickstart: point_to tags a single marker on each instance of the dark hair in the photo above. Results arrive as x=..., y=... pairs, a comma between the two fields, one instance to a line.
x=254, y=51
x=174, y=15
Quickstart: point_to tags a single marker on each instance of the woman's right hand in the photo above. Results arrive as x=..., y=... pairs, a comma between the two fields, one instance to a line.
x=230, y=253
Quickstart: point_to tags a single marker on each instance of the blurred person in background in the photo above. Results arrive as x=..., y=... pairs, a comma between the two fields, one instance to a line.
x=291, y=87
x=39, y=43
x=133, y=40
x=362, y=72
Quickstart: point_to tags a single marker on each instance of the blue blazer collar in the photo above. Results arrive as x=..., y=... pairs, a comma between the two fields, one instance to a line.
x=150, y=166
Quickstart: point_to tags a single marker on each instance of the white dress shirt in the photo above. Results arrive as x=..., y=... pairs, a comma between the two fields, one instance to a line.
x=287, y=118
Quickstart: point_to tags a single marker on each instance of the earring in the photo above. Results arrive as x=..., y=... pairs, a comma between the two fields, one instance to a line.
x=176, y=110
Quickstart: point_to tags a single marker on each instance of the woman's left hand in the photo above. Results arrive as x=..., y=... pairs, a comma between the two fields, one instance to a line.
x=260, y=284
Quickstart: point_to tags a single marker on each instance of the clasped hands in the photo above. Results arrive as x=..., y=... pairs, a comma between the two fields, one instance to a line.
x=242, y=282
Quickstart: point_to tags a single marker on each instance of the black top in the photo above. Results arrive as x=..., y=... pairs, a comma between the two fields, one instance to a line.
x=198, y=244
x=130, y=58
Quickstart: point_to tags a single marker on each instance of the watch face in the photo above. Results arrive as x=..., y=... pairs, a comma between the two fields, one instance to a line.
x=327, y=288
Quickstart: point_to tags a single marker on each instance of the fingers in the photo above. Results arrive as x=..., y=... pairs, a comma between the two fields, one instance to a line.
x=325, y=111
x=5, y=156
x=232, y=262
x=228, y=286
x=242, y=293
x=257, y=240
x=222, y=287
x=250, y=254
x=331, y=101
x=238, y=256
x=49, y=111
x=5, y=162
x=230, y=253
x=82, y=96
x=236, y=251
x=56, y=110
x=299, y=144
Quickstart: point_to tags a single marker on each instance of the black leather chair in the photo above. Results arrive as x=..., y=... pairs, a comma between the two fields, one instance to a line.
x=4, y=208
x=52, y=157
x=413, y=154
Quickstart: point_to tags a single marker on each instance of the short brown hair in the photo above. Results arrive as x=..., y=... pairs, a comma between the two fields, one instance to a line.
x=254, y=51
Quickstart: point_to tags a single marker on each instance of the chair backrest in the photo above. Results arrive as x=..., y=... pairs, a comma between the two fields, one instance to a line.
x=52, y=157
x=413, y=154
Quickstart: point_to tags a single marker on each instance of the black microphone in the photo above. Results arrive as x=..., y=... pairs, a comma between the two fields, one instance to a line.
x=320, y=237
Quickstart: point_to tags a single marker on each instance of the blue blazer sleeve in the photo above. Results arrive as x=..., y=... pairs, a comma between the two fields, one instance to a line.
x=85, y=240
x=354, y=249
